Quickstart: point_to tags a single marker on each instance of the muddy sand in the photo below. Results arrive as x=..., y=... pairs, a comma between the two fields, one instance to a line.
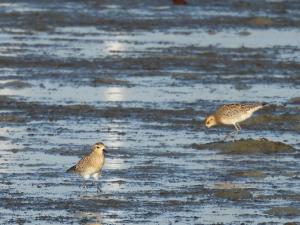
x=141, y=76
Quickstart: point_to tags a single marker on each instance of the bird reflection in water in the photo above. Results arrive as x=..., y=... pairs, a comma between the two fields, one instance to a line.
x=90, y=218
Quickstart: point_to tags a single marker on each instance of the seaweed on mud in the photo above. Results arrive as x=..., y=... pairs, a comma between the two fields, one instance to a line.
x=15, y=84
x=260, y=21
x=286, y=121
x=19, y=221
x=196, y=190
x=51, y=219
x=2, y=138
x=53, y=112
x=295, y=100
x=109, y=81
x=247, y=146
x=7, y=118
x=193, y=58
x=291, y=223
x=244, y=33
x=235, y=194
x=281, y=195
x=249, y=173
x=283, y=211
x=5, y=99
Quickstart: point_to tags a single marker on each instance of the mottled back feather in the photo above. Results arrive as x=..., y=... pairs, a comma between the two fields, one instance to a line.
x=235, y=110
x=91, y=163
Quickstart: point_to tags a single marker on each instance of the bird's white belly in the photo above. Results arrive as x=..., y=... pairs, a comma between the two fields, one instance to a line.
x=236, y=119
x=88, y=173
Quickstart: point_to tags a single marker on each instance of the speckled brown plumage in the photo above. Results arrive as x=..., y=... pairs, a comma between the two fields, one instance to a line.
x=228, y=114
x=232, y=114
x=90, y=165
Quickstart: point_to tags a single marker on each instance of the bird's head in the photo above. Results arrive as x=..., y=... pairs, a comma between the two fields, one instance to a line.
x=99, y=147
x=210, y=121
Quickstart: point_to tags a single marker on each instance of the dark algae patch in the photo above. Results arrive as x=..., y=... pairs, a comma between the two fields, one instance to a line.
x=15, y=84
x=109, y=81
x=11, y=119
x=247, y=146
x=235, y=194
x=285, y=121
x=250, y=173
x=283, y=211
x=287, y=196
x=261, y=21
x=295, y=100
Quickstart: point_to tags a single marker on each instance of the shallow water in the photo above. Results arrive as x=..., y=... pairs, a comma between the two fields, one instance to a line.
x=141, y=77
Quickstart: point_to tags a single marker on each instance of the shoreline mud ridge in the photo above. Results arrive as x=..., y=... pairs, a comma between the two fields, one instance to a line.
x=247, y=146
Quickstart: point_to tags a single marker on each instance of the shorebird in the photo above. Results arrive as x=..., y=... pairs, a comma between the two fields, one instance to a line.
x=232, y=114
x=90, y=165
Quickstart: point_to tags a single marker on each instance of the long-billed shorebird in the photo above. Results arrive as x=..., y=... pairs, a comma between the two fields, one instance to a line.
x=91, y=165
x=232, y=114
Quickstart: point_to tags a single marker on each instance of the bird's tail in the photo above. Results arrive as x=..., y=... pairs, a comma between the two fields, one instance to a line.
x=261, y=105
x=264, y=104
x=71, y=170
x=256, y=106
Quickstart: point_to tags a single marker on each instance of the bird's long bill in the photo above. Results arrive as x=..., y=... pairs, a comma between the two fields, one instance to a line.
x=105, y=151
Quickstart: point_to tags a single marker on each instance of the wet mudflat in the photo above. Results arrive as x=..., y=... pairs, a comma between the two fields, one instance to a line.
x=141, y=76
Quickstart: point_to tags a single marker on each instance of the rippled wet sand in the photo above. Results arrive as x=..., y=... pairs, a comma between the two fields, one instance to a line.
x=141, y=76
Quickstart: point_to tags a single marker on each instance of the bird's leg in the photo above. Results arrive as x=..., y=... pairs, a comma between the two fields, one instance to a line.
x=95, y=176
x=96, y=185
x=98, y=189
x=84, y=186
x=236, y=126
x=237, y=129
x=227, y=135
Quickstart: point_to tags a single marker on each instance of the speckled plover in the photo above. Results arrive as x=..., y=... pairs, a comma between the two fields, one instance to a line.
x=91, y=165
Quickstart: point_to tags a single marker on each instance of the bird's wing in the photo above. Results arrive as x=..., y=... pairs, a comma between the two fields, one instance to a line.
x=82, y=163
x=71, y=169
x=250, y=108
x=229, y=110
